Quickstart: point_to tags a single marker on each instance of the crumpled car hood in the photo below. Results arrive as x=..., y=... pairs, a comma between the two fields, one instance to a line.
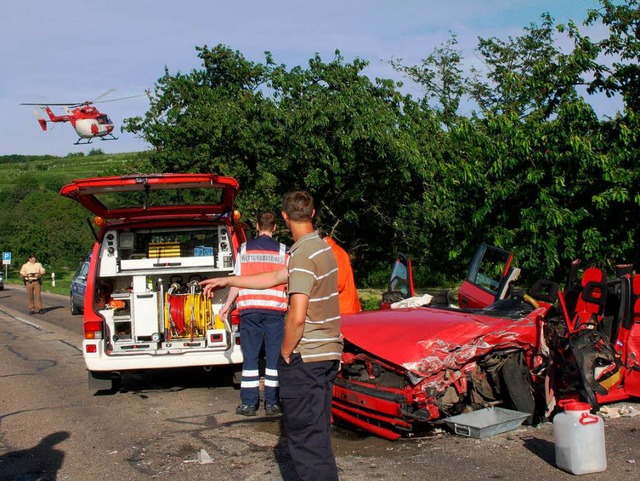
x=428, y=340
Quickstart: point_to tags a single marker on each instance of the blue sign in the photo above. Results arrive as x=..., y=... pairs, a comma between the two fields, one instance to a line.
x=6, y=258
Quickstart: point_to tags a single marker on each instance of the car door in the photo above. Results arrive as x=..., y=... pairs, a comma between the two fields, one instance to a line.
x=79, y=283
x=631, y=345
x=401, y=282
x=490, y=278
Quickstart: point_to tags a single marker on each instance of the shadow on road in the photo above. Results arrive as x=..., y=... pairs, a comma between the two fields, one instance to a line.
x=542, y=448
x=40, y=462
x=52, y=308
x=171, y=379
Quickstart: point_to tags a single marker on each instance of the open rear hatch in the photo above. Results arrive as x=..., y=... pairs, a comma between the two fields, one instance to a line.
x=136, y=197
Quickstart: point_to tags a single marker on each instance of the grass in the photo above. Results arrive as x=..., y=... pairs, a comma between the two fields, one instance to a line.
x=370, y=298
x=64, y=168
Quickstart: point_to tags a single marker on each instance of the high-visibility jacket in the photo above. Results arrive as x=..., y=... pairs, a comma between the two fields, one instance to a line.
x=262, y=254
x=348, y=294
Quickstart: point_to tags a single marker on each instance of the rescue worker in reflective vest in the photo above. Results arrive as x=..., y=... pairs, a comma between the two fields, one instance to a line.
x=261, y=316
x=348, y=293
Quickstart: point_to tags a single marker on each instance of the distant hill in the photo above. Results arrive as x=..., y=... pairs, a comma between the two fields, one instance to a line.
x=70, y=167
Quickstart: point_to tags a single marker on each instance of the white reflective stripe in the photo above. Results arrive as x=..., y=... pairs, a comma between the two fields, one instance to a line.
x=320, y=299
x=263, y=292
x=325, y=354
x=317, y=253
x=249, y=384
x=271, y=372
x=271, y=383
x=250, y=372
x=263, y=303
x=283, y=249
x=320, y=339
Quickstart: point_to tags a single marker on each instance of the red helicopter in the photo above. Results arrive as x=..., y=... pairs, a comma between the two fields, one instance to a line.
x=88, y=121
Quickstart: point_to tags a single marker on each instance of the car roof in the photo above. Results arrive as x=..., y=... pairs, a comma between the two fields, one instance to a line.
x=152, y=195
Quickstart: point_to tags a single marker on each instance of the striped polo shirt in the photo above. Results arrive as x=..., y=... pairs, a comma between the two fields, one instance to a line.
x=313, y=271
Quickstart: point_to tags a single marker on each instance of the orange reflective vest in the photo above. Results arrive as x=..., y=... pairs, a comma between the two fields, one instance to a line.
x=348, y=294
x=262, y=254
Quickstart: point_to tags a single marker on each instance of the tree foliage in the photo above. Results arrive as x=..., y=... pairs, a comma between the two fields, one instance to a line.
x=530, y=167
x=35, y=219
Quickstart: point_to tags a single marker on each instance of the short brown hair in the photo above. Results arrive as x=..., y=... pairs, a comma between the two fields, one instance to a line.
x=298, y=205
x=266, y=221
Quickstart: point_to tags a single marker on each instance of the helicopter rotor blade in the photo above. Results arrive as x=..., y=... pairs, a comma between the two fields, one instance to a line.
x=100, y=96
x=122, y=98
x=45, y=104
x=86, y=102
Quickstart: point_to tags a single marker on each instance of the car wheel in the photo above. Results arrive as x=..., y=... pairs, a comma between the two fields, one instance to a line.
x=517, y=383
x=75, y=310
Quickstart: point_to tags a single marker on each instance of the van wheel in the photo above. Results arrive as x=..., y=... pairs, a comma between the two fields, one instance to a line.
x=236, y=377
x=517, y=383
x=104, y=381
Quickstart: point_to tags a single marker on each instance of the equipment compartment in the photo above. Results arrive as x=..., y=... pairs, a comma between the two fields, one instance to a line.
x=153, y=299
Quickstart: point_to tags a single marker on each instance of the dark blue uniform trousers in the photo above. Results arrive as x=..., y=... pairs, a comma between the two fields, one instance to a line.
x=256, y=326
x=306, y=390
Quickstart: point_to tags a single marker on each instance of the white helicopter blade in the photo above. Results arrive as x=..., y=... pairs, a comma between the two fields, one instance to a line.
x=103, y=95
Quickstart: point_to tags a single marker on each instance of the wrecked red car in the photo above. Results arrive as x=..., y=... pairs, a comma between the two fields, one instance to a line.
x=406, y=365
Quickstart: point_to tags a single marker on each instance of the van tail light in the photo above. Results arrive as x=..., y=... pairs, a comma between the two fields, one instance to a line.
x=235, y=318
x=93, y=330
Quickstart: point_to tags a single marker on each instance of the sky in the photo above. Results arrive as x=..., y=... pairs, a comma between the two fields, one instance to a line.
x=69, y=51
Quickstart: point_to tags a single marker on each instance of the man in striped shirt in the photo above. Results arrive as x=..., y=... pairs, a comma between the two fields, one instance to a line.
x=312, y=346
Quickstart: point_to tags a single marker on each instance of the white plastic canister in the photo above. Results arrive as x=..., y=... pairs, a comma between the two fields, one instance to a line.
x=579, y=439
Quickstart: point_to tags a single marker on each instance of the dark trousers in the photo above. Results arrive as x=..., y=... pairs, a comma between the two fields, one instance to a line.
x=306, y=390
x=258, y=326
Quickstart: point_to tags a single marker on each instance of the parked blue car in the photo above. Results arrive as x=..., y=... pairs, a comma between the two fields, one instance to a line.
x=77, y=288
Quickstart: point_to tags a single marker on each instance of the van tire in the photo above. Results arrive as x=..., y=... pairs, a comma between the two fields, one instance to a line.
x=236, y=377
x=104, y=381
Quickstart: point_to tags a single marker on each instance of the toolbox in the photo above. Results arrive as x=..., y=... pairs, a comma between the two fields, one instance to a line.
x=167, y=249
x=486, y=422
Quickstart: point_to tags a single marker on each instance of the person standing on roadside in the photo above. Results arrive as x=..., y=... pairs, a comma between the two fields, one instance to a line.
x=312, y=346
x=261, y=316
x=32, y=272
x=349, y=300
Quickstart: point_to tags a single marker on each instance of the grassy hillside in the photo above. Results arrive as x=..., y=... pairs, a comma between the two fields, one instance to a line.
x=73, y=166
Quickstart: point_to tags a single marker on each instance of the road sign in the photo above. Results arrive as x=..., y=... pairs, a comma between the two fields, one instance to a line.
x=6, y=258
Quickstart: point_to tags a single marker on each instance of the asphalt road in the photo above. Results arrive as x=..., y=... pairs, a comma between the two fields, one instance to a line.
x=159, y=425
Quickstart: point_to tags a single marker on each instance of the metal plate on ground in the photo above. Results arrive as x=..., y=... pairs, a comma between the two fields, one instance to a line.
x=486, y=422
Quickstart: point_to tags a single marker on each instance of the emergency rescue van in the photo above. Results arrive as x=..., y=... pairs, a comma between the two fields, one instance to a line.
x=157, y=236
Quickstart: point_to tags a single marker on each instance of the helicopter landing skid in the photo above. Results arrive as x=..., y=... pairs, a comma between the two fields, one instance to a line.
x=90, y=139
